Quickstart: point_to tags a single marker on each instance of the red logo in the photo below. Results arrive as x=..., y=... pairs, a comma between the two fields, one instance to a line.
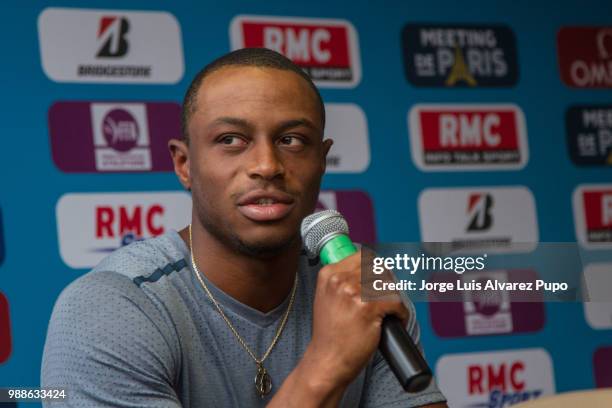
x=112, y=34
x=326, y=49
x=113, y=221
x=496, y=379
x=92, y=225
x=479, y=212
x=468, y=137
x=482, y=379
x=5, y=329
x=598, y=215
x=585, y=56
x=504, y=383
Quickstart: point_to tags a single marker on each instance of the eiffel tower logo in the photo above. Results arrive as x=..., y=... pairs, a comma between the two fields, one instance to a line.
x=460, y=71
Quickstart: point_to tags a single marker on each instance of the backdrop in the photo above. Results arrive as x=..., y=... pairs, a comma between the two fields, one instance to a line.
x=453, y=121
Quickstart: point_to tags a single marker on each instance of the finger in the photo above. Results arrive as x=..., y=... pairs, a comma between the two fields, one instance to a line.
x=347, y=269
x=351, y=262
x=393, y=308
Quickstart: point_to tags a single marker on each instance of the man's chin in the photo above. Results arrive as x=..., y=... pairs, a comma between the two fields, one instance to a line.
x=268, y=241
x=257, y=239
x=264, y=248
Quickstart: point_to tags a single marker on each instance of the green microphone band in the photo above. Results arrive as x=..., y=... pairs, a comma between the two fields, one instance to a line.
x=336, y=249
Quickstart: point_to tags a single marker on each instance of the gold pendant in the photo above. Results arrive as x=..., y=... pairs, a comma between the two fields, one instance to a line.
x=263, y=382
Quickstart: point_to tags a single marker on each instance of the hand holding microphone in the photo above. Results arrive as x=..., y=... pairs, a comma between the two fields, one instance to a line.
x=347, y=330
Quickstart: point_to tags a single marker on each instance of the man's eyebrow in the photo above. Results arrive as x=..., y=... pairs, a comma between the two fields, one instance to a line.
x=228, y=120
x=292, y=123
x=298, y=122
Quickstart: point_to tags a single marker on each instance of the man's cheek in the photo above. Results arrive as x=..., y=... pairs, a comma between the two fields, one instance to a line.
x=310, y=200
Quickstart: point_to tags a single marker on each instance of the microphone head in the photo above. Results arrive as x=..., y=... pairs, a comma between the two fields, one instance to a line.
x=320, y=227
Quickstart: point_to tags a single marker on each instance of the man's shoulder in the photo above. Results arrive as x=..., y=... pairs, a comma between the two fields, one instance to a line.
x=121, y=273
x=104, y=326
x=112, y=293
x=96, y=289
x=146, y=259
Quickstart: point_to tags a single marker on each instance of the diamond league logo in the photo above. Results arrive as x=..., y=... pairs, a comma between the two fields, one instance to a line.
x=487, y=303
x=121, y=137
x=120, y=130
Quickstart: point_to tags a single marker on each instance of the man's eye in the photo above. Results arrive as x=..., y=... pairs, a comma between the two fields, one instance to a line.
x=291, y=141
x=232, y=140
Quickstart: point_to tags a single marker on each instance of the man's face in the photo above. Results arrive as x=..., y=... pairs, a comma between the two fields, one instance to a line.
x=256, y=157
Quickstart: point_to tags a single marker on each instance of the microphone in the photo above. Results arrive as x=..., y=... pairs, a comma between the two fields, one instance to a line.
x=325, y=234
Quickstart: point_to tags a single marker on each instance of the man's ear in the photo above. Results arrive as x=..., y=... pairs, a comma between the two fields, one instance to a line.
x=179, y=150
x=327, y=144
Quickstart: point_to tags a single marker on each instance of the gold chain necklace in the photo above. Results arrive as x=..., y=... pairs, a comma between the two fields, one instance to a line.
x=263, y=382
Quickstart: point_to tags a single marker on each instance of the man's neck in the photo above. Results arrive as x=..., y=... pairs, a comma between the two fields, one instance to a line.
x=262, y=284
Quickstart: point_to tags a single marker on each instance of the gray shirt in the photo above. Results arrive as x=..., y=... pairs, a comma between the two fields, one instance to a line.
x=139, y=331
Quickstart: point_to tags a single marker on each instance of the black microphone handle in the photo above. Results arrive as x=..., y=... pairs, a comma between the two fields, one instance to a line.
x=396, y=345
x=403, y=356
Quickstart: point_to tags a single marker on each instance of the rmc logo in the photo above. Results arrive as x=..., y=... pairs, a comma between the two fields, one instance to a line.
x=90, y=226
x=448, y=137
x=495, y=379
x=503, y=383
x=593, y=215
x=129, y=223
x=325, y=49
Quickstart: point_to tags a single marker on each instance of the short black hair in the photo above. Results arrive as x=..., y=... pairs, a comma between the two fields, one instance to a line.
x=248, y=57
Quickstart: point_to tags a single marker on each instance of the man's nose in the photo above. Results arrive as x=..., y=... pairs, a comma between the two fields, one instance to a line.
x=265, y=161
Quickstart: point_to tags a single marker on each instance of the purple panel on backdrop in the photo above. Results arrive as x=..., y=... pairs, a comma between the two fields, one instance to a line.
x=459, y=317
x=356, y=206
x=165, y=120
x=602, y=365
x=5, y=329
x=71, y=136
x=113, y=136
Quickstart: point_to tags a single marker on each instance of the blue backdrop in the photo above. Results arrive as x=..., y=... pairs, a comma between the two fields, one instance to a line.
x=33, y=273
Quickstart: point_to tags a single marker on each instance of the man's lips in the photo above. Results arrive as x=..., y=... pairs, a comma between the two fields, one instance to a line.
x=261, y=205
x=267, y=212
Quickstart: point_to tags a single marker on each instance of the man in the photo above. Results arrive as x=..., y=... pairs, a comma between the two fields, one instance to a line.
x=224, y=312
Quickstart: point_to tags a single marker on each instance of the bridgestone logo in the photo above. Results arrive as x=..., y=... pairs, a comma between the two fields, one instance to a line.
x=110, y=46
x=114, y=71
